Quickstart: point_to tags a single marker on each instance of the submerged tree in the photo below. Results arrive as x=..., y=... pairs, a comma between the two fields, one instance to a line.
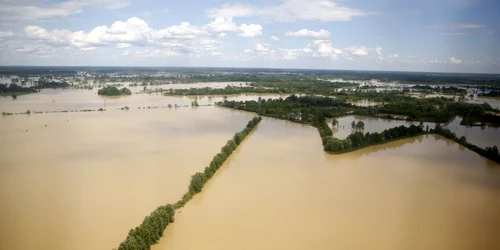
x=360, y=125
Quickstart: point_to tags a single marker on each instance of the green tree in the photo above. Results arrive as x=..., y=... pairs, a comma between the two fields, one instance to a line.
x=197, y=182
x=360, y=125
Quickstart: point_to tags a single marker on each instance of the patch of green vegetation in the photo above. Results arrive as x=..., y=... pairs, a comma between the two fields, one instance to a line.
x=301, y=109
x=113, y=91
x=150, y=230
x=44, y=84
x=14, y=90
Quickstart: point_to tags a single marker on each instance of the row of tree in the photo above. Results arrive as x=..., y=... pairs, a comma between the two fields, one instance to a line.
x=488, y=152
x=152, y=227
x=150, y=230
x=359, y=140
x=199, y=179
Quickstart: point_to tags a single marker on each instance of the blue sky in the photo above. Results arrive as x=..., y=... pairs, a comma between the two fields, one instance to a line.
x=444, y=35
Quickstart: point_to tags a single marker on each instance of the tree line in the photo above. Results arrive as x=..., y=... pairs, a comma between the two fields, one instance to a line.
x=359, y=140
x=42, y=84
x=152, y=227
x=488, y=152
x=150, y=230
x=199, y=179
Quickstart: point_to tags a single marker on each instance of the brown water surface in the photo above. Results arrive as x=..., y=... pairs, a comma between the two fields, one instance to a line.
x=279, y=190
x=83, y=180
x=76, y=99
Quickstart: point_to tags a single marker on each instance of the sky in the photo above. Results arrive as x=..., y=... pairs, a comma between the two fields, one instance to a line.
x=395, y=35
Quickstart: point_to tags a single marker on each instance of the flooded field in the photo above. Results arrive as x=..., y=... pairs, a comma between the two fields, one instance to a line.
x=74, y=99
x=279, y=190
x=485, y=136
x=480, y=136
x=494, y=103
x=365, y=103
x=83, y=180
x=372, y=124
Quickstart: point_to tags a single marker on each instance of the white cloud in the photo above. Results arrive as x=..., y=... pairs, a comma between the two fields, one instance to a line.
x=222, y=25
x=5, y=35
x=231, y=10
x=87, y=49
x=379, y=50
x=292, y=54
x=25, y=49
x=122, y=45
x=34, y=50
x=324, y=48
x=458, y=26
x=164, y=53
x=183, y=31
x=133, y=31
x=454, y=34
x=455, y=60
x=394, y=56
x=250, y=30
x=321, y=34
x=28, y=11
x=136, y=31
x=262, y=47
x=437, y=62
x=291, y=11
x=358, y=51
x=274, y=38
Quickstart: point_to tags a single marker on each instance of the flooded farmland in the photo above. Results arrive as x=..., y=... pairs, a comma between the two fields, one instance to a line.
x=76, y=99
x=279, y=190
x=372, y=124
x=83, y=180
x=485, y=136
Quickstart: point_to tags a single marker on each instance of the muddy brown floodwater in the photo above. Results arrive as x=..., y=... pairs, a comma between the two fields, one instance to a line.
x=84, y=180
x=77, y=99
x=279, y=190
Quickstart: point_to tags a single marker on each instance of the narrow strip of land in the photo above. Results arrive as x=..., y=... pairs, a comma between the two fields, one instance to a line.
x=151, y=229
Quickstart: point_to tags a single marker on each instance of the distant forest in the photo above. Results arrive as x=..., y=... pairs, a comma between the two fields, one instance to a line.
x=267, y=74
